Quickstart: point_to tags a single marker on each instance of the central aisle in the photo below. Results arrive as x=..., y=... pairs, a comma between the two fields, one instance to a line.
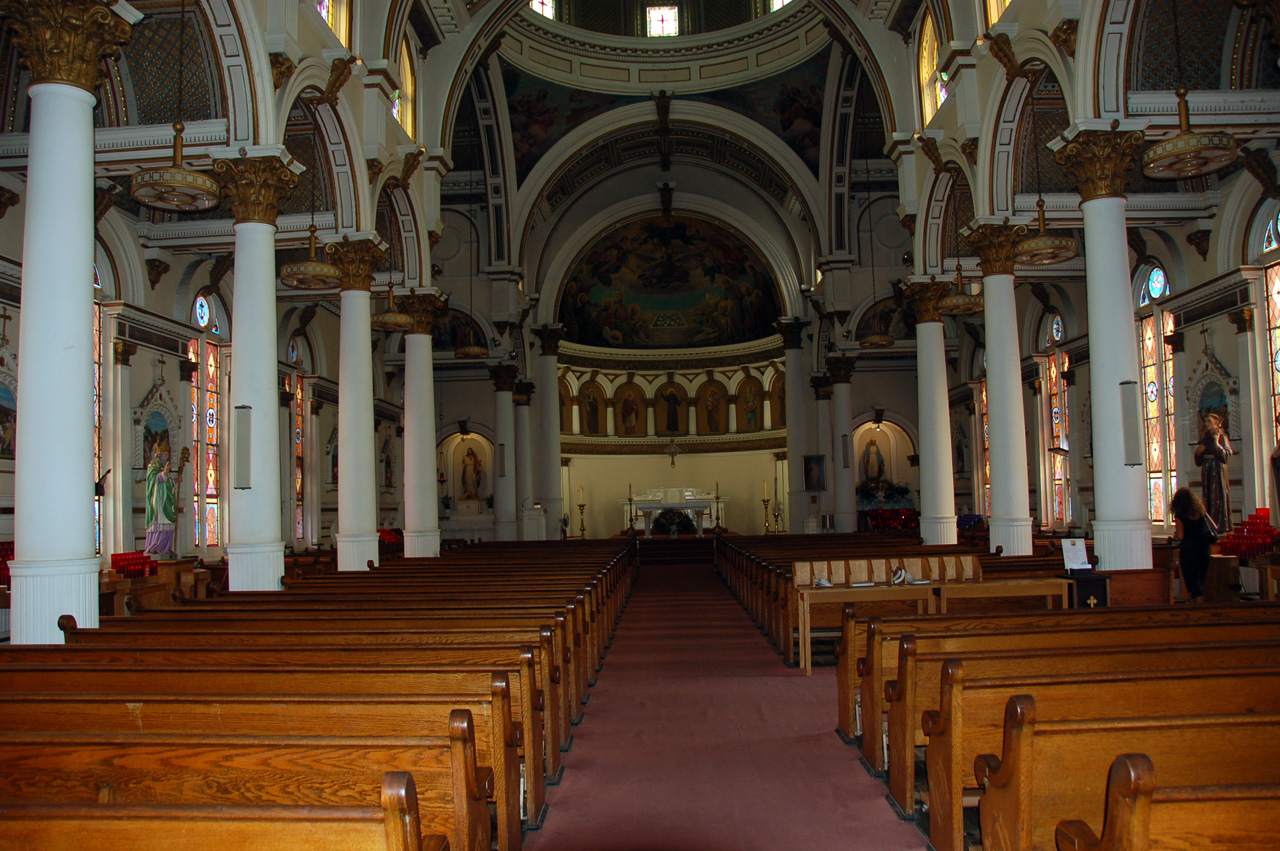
x=698, y=738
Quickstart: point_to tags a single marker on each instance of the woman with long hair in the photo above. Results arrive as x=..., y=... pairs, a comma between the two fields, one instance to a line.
x=1195, y=530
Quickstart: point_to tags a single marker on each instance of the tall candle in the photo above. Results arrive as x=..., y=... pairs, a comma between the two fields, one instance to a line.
x=580, y=499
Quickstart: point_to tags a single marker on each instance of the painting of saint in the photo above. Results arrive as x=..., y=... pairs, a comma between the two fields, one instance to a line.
x=750, y=406
x=815, y=472
x=8, y=423
x=714, y=410
x=778, y=402
x=630, y=411
x=593, y=409
x=670, y=418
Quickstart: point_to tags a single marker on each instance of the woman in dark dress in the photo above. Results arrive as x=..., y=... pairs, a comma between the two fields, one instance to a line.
x=1195, y=531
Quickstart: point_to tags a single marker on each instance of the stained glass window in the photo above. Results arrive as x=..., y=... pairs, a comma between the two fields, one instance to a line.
x=197, y=470
x=404, y=99
x=1157, y=284
x=97, y=420
x=1158, y=407
x=212, y=429
x=202, y=312
x=995, y=8
x=986, y=451
x=1059, y=438
x=1269, y=242
x=1273, y=339
x=298, y=421
x=544, y=7
x=775, y=5
x=334, y=13
x=933, y=82
x=663, y=20
x=1057, y=330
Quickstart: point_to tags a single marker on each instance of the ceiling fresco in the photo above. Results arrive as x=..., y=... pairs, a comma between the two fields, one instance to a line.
x=668, y=283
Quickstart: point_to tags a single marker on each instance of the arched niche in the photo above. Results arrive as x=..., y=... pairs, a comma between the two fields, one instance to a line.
x=465, y=463
x=882, y=467
x=713, y=408
x=630, y=408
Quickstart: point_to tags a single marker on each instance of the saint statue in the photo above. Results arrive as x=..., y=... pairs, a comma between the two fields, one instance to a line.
x=872, y=462
x=1211, y=457
x=162, y=501
x=472, y=473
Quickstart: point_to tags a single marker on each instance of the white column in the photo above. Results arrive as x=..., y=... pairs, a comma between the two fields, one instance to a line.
x=1010, y=522
x=842, y=465
x=610, y=423
x=504, y=483
x=54, y=569
x=357, y=536
x=421, y=503
x=531, y=519
x=1099, y=160
x=822, y=395
x=798, y=426
x=1121, y=527
x=255, y=546
x=548, y=403
x=288, y=529
x=937, y=478
x=117, y=450
x=1252, y=426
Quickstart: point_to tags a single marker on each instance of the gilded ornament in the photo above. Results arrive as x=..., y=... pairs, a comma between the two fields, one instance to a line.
x=792, y=333
x=926, y=298
x=504, y=376
x=524, y=393
x=1242, y=319
x=1001, y=49
x=821, y=388
x=156, y=269
x=1260, y=167
x=255, y=186
x=1269, y=9
x=929, y=146
x=969, y=147
x=550, y=337
x=339, y=73
x=1199, y=240
x=104, y=198
x=282, y=68
x=123, y=351
x=1099, y=160
x=996, y=246
x=374, y=167
x=356, y=260
x=1064, y=35
x=8, y=199
x=65, y=41
x=424, y=309
x=840, y=368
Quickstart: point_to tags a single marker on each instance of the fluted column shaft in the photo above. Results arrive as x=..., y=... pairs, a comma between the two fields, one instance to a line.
x=504, y=427
x=357, y=454
x=54, y=569
x=842, y=466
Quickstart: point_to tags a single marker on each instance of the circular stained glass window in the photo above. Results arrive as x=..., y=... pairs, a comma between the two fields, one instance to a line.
x=1276, y=361
x=1057, y=415
x=1157, y=284
x=210, y=418
x=202, y=311
x=1153, y=391
x=1057, y=330
x=293, y=350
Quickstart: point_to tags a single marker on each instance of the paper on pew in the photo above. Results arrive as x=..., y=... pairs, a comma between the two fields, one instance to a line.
x=1074, y=554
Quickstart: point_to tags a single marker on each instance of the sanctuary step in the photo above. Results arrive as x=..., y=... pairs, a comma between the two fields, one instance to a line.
x=677, y=552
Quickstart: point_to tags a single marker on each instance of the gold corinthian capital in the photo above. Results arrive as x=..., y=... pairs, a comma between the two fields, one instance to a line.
x=255, y=186
x=996, y=245
x=926, y=299
x=65, y=41
x=1099, y=160
x=357, y=261
x=424, y=309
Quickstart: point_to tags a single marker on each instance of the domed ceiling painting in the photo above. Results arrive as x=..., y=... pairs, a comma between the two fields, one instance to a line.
x=668, y=283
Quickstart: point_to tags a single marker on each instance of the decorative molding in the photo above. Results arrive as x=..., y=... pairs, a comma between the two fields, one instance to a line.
x=255, y=186
x=1000, y=48
x=9, y=198
x=1064, y=36
x=1260, y=167
x=156, y=269
x=523, y=393
x=908, y=223
x=282, y=68
x=969, y=147
x=503, y=376
x=123, y=352
x=792, y=333
x=550, y=337
x=121, y=150
x=375, y=167
x=840, y=368
x=821, y=385
x=701, y=444
x=339, y=73
x=65, y=41
x=222, y=264
x=1099, y=160
x=425, y=310
x=929, y=146
x=1199, y=240
x=589, y=357
x=1209, y=370
x=925, y=298
x=1242, y=319
x=104, y=198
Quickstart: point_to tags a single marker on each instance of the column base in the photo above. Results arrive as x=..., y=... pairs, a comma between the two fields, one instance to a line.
x=1012, y=533
x=44, y=591
x=422, y=544
x=846, y=521
x=532, y=525
x=355, y=551
x=504, y=530
x=255, y=567
x=1122, y=544
x=938, y=531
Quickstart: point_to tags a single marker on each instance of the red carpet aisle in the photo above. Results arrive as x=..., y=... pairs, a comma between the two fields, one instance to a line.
x=697, y=738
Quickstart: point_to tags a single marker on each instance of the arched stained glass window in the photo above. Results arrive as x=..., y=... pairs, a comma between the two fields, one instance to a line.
x=1059, y=442
x=544, y=7
x=335, y=15
x=402, y=102
x=933, y=82
x=202, y=312
x=1270, y=242
x=986, y=451
x=1273, y=339
x=1158, y=407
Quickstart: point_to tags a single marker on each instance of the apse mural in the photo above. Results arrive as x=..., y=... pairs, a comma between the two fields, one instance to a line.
x=668, y=282
x=894, y=315
x=542, y=112
x=456, y=329
x=789, y=104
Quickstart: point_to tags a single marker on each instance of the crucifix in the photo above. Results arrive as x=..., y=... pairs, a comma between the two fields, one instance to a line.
x=5, y=316
x=672, y=451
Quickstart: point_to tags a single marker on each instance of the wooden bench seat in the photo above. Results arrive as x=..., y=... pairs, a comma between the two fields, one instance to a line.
x=285, y=715
x=393, y=826
x=882, y=653
x=487, y=694
x=1143, y=814
x=970, y=720
x=230, y=770
x=1051, y=771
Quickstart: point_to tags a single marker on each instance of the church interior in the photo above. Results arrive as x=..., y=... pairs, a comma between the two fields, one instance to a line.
x=766, y=333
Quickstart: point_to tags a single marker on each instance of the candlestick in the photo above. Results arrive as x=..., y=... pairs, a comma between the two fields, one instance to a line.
x=582, y=517
x=765, y=501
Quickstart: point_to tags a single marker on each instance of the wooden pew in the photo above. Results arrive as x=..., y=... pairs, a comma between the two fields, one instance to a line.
x=282, y=715
x=1143, y=815
x=919, y=677
x=999, y=636
x=230, y=770
x=970, y=720
x=394, y=826
x=486, y=694
x=1051, y=771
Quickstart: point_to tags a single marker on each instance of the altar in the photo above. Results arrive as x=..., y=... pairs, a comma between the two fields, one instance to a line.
x=699, y=506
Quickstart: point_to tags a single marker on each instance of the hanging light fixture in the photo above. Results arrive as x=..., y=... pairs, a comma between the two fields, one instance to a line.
x=1189, y=153
x=474, y=347
x=1043, y=249
x=961, y=303
x=879, y=338
x=175, y=188
x=392, y=319
x=311, y=274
